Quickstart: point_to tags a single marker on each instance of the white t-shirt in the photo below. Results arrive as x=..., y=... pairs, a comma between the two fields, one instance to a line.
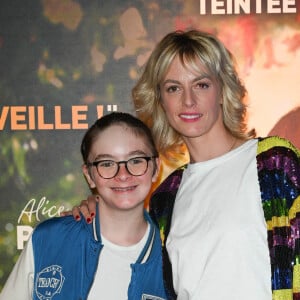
x=218, y=238
x=114, y=272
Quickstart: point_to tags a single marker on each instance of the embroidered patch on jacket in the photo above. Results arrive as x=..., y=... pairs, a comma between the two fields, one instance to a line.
x=150, y=297
x=49, y=282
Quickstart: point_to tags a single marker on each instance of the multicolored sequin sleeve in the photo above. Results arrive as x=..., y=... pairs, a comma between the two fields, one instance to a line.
x=160, y=209
x=278, y=163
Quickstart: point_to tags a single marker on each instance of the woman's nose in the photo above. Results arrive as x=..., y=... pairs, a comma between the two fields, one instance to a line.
x=188, y=98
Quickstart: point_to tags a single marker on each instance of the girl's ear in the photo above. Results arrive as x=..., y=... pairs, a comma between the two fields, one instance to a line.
x=88, y=177
x=157, y=171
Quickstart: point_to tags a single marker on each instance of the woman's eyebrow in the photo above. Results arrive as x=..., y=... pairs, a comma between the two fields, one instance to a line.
x=200, y=77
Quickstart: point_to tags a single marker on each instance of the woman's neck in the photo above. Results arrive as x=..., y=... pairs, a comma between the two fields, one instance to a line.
x=206, y=147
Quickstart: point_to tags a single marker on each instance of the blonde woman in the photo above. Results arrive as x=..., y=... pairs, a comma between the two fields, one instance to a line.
x=230, y=218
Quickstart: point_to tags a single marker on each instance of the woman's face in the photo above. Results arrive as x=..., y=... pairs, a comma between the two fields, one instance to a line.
x=191, y=100
x=124, y=191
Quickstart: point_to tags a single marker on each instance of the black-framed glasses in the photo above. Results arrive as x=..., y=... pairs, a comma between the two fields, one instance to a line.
x=136, y=166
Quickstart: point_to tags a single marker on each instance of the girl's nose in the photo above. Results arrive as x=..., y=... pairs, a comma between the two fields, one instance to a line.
x=123, y=174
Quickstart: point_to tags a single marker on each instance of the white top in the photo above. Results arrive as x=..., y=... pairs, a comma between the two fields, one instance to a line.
x=218, y=238
x=114, y=272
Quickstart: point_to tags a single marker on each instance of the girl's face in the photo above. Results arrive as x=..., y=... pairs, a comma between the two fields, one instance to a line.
x=191, y=100
x=124, y=191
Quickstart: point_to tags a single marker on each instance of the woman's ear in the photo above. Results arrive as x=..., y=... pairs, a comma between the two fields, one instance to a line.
x=157, y=170
x=88, y=177
x=221, y=98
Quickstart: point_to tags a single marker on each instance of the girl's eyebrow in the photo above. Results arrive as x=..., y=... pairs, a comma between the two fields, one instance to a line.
x=137, y=152
x=105, y=156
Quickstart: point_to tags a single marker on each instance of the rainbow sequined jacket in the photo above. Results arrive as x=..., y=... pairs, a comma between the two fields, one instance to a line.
x=278, y=167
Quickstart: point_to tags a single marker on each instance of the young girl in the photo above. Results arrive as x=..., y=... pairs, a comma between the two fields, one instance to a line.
x=118, y=255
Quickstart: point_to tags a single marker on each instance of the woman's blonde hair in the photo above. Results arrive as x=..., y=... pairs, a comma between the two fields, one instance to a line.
x=191, y=47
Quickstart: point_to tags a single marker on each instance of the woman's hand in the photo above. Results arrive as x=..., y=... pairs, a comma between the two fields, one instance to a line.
x=87, y=208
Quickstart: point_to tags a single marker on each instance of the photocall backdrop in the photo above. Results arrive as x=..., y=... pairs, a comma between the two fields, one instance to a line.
x=65, y=63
